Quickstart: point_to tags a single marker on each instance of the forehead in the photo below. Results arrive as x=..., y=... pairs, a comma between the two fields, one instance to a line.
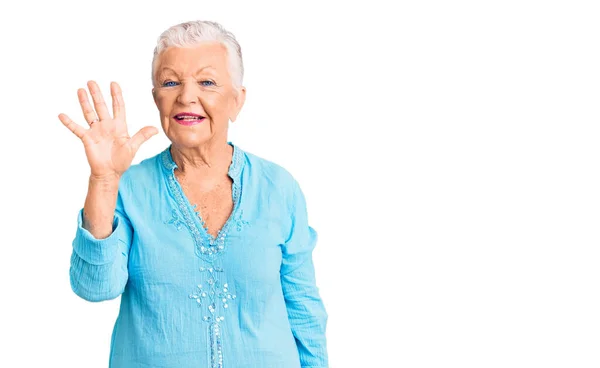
x=189, y=60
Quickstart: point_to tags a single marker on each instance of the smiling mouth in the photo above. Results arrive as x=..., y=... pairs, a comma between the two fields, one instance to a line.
x=188, y=117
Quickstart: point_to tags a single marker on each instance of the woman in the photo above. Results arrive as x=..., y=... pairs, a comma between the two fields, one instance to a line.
x=208, y=246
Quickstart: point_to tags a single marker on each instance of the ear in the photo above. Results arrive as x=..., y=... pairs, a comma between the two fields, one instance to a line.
x=154, y=95
x=238, y=103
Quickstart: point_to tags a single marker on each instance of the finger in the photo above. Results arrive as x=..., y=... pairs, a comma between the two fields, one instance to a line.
x=88, y=111
x=117, y=100
x=77, y=129
x=99, y=103
x=142, y=136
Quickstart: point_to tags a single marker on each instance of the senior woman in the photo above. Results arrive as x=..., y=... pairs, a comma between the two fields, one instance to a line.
x=208, y=246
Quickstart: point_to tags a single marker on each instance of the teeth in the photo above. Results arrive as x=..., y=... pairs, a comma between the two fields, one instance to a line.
x=189, y=117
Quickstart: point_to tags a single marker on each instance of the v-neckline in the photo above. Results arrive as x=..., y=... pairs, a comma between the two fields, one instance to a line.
x=196, y=211
x=207, y=245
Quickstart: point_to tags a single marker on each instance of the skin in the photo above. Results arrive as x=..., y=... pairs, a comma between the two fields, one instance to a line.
x=109, y=150
x=197, y=80
x=201, y=151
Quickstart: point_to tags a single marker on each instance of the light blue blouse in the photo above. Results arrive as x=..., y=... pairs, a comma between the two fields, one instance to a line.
x=245, y=299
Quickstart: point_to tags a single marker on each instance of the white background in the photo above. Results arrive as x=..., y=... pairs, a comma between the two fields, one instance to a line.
x=448, y=152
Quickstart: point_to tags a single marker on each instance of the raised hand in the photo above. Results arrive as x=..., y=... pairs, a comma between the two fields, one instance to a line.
x=108, y=146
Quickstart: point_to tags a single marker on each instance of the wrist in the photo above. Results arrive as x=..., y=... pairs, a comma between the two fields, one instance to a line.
x=108, y=181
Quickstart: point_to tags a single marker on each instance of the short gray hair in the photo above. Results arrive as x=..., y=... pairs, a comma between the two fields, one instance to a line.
x=191, y=33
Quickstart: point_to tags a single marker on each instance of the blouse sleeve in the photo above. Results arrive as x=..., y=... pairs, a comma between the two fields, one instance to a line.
x=98, y=269
x=306, y=312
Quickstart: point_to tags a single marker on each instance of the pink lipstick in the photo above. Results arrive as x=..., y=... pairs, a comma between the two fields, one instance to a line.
x=188, y=118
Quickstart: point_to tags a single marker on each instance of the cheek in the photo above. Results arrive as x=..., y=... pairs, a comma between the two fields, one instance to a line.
x=215, y=102
x=164, y=104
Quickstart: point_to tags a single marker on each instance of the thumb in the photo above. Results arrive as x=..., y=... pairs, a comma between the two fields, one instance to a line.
x=142, y=136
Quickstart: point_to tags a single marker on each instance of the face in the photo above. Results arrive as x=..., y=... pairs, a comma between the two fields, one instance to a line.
x=195, y=82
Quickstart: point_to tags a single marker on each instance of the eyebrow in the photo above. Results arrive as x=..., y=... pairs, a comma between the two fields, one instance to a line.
x=164, y=69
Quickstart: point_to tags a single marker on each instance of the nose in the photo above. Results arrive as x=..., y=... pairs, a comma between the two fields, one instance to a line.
x=189, y=94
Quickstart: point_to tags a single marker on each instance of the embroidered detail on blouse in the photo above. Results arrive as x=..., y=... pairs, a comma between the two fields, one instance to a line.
x=207, y=247
x=197, y=295
x=217, y=294
x=213, y=295
x=175, y=220
x=216, y=350
x=240, y=222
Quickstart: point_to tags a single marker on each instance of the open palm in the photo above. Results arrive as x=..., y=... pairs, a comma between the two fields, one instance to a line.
x=108, y=146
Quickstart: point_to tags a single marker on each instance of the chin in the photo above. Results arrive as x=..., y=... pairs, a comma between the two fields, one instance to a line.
x=187, y=139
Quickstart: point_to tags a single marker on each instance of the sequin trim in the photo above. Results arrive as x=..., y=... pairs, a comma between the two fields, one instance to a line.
x=216, y=350
x=211, y=296
x=216, y=298
x=207, y=247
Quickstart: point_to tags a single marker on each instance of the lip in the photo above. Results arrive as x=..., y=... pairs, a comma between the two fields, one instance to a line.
x=190, y=122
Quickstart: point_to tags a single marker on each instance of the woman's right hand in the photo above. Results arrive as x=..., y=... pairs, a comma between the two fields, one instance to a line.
x=108, y=146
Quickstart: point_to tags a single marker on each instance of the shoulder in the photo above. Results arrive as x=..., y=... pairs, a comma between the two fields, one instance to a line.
x=270, y=170
x=272, y=176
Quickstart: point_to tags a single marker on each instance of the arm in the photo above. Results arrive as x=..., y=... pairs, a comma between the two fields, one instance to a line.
x=306, y=312
x=101, y=246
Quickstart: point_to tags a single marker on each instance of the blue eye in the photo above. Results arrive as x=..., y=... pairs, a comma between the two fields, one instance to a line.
x=166, y=84
x=207, y=81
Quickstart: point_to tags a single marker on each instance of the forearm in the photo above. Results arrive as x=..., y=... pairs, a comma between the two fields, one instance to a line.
x=99, y=282
x=99, y=266
x=307, y=315
x=100, y=204
x=99, y=260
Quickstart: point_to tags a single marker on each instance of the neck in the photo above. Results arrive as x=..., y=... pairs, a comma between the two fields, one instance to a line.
x=207, y=162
